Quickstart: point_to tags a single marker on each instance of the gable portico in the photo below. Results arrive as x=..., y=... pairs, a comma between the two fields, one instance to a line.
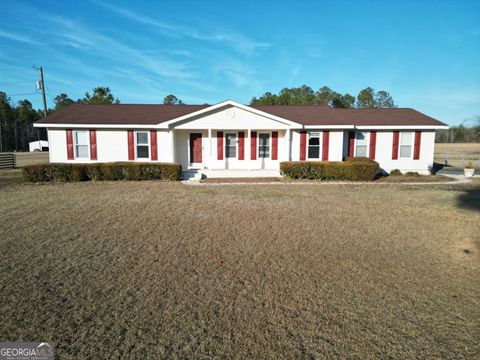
x=232, y=137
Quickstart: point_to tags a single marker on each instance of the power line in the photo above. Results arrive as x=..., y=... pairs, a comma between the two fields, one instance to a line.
x=22, y=94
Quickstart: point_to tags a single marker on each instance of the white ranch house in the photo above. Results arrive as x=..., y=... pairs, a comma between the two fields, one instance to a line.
x=231, y=139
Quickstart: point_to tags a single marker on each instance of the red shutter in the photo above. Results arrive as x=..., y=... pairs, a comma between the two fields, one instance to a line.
x=220, y=145
x=253, y=145
x=325, y=143
x=153, y=144
x=373, y=144
x=416, y=149
x=131, y=146
x=303, y=145
x=69, y=144
x=351, y=143
x=274, y=145
x=93, y=145
x=396, y=136
x=241, y=145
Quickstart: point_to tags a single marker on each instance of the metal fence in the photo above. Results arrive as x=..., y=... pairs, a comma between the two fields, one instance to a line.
x=458, y=159
x=20, y=159
x=7, y=160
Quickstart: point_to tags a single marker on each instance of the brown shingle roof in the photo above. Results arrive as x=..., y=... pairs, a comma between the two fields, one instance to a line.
x=140, y=114
x=326, y=115
x=303, y=114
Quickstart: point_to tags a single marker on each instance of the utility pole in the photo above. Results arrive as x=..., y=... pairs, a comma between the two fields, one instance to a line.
x=42, y=87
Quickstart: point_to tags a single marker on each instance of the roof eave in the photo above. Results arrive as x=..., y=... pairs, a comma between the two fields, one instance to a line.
x=401, y=127
x=95, y=126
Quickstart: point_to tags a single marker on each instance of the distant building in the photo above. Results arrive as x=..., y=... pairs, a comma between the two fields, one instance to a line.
x=41, y=145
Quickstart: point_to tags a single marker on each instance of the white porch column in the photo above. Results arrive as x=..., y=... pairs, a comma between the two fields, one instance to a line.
x=248, y=145
x=210, y=152
x=172, y=145
x=288, y=145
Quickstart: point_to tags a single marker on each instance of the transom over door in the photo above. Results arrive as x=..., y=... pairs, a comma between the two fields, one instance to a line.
x=195, y=148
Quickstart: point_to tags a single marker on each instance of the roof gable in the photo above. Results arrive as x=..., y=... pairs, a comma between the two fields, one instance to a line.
x=230, y=111
x=231, y=117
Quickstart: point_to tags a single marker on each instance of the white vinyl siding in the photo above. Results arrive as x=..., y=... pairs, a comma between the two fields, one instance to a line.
x=81, y=144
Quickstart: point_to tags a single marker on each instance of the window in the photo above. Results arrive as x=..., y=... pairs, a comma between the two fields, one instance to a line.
x=406, y=145
x=361, y=143
x=314, y=145
x=263, y=146
x=142, y=145
x=231, y=145
x=81, y=144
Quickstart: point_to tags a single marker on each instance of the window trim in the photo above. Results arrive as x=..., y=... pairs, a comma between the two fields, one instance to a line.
x=75, y=153
x=269, y=133
x=148, y=144
x=320, y=145
x=367, y=140
x=225, y=145
x=412, y=144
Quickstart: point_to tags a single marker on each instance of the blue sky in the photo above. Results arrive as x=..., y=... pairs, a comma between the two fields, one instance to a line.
x=425, y=53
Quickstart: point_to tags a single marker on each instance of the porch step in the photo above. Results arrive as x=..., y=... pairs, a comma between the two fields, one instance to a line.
x=192, y=175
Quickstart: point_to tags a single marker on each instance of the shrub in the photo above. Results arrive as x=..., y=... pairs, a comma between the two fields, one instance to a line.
x=395, y=172
x=412, y=173
x=102, y=171
x=354, y=169
x=94, y=172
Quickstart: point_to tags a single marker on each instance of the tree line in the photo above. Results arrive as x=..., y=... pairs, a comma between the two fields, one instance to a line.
x=305, y=95
x=16, y=120
x=459, y=134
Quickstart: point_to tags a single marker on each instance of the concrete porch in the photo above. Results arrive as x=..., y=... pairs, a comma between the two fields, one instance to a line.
x=231, y=173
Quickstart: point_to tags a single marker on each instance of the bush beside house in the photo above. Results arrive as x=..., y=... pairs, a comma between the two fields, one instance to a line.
x=102, y=171
x=352, y=169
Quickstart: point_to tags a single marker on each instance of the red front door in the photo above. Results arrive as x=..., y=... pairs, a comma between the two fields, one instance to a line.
x=195, y=148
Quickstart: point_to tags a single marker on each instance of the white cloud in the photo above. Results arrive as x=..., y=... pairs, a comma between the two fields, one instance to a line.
x=75, y=34
x=17, y=37
x=233, y=39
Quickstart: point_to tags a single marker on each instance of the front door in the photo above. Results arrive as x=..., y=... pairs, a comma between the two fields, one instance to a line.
x=195, y=148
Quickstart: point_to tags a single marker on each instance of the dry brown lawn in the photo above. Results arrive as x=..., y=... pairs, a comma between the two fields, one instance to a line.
x=386, y=179
x=457, y=147
x=415, y=179
x=28, y=158
x=148, y=270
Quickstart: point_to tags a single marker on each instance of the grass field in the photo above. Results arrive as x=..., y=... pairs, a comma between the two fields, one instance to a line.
x=458, y=154
x=28, y=158
x=148, y=270
x=457, y=147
